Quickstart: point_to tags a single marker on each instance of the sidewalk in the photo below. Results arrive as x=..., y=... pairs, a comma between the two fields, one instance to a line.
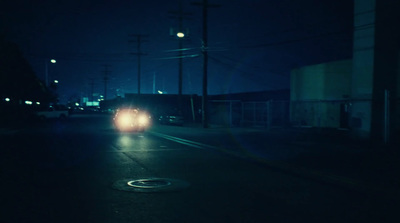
x=323, y=155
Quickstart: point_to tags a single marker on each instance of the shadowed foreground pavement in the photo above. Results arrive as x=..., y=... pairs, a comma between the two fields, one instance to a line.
x=233, y=159
x=324, y=155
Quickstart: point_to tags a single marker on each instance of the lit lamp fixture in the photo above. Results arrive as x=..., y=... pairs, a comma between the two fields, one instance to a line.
x=180, y=35
x=47, y=70
x=56, y=81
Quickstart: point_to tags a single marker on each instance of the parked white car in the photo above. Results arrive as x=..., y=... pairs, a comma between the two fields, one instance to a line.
x=52, y=113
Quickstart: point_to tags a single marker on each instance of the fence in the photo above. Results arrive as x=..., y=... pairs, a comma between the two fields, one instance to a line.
x=267, y=114
x=345, y=114
x=324, y=113
x=365, y=115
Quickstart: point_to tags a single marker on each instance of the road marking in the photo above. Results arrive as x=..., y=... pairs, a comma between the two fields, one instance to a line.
x=184, y=141
x=118, y=149
x=297, y=170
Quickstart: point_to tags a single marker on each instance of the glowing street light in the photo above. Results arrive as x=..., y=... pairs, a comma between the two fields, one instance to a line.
x=180, y=35
x=47, y=70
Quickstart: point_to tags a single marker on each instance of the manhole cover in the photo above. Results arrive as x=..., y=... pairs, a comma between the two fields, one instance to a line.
x=150, y=185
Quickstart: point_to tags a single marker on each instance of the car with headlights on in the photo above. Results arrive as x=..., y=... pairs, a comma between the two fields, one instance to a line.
x=131, y=119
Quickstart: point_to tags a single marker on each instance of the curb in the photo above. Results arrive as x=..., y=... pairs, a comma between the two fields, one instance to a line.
x=7, y=131
x=320, y=176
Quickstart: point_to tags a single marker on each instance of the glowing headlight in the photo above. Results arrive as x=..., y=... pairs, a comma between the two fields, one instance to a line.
x=124, y=120
x=143, y=120
x=131, y=120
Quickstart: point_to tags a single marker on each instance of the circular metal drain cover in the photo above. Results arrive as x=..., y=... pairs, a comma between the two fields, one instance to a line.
x=150, y=185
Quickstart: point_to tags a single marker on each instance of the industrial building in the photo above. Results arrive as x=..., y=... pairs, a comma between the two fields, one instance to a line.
x=361, y=94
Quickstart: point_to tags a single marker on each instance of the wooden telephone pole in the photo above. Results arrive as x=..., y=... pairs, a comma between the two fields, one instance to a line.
x=139, y=40
x=204, y=48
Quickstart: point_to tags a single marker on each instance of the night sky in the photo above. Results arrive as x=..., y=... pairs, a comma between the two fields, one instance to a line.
x=253, y=44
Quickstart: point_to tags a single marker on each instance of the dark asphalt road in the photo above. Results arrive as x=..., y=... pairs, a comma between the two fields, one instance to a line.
x=65, y=172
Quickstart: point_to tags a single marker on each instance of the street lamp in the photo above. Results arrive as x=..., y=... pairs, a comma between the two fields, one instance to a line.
x=47, y=70
x=180, y=35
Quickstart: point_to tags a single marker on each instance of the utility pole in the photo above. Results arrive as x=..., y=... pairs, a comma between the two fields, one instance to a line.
x=204, y=48
x=91, y=89
x=139, y=53
x=106, y=71
x=180, y=34
x=154, y=82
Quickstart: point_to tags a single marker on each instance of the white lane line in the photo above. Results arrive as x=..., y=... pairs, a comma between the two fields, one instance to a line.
x=118, y=149
x=184, y=141
x=143, y=151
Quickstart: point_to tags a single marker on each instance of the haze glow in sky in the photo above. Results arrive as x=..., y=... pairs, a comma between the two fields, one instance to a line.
x=253, y=44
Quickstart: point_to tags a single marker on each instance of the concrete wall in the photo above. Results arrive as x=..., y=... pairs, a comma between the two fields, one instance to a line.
x=375, y=73
x=338, y=79
x=363, y=66
x=306, y=83
x=327, y=81
x=375, y=68
x=397, y=112
x=317, y=93
x=386, y=67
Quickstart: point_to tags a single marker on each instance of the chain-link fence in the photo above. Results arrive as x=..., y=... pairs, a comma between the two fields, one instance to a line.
x=338, y=114
x=267, y=114
x=326, y=113
x=367, y=114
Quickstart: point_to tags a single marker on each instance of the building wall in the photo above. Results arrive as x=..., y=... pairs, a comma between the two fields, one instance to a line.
x=387, y=47
x=338, y=79
x=375, y=69
x=397, y=112
x=318, y=92
x=375, y=74
x=307, y=83
x=363, y=66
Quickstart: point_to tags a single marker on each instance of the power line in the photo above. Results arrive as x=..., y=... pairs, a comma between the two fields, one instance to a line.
x=106, y=72
x=83, y=59
x=205, y=7
x=293, y=40
x=236, y=62
x=91, y=88
x=320, y=25
x=139, y=40
x=247, y=75
x=180, y=16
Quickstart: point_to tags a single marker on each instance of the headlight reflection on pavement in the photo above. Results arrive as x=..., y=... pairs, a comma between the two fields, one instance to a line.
x=125, y=141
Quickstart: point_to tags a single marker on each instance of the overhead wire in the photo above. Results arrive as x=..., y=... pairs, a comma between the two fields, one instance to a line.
x=253, y=76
